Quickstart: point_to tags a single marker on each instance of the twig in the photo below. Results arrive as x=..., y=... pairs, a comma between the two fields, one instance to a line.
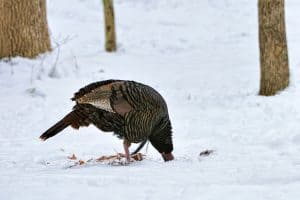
x=39, y=75
x=75, y=61
x=58, y=44
x=64, y=41
x=53, y=73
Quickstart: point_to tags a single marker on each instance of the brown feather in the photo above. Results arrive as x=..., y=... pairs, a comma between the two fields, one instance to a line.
x=76, y=118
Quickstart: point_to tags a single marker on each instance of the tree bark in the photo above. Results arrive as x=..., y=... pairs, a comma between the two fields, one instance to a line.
x=273, y=47
x=110, y=35
x=23, y=28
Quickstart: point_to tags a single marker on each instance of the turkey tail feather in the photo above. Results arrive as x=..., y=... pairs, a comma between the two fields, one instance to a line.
x=59, y=126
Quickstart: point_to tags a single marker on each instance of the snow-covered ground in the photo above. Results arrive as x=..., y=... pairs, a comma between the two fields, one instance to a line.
x=203, y=57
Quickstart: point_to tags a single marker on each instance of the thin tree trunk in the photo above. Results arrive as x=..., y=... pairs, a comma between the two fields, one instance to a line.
x=273, y=47
x=23, y=28
x=110, y=35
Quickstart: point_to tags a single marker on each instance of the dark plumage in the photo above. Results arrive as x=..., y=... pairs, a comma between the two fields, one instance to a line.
x=133, y=111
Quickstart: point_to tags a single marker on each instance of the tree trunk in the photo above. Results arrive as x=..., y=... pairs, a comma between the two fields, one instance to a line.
x=23, y=28
x=110, y=35
x=273, y=47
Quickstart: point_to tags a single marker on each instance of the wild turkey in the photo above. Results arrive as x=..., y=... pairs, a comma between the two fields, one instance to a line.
x=135, y=113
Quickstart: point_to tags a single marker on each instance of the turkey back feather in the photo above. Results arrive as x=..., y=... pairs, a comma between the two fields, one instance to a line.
x=90, y=87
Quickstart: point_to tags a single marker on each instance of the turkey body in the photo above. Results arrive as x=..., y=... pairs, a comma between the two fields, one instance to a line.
x=133, y=111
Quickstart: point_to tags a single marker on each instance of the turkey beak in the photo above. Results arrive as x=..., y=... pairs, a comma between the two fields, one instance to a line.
x=167, y=156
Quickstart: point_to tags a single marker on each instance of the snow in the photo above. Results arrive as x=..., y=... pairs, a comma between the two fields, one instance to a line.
x=202, y=56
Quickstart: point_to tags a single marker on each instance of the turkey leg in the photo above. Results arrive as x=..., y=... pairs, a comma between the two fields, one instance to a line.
x=126, y=145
